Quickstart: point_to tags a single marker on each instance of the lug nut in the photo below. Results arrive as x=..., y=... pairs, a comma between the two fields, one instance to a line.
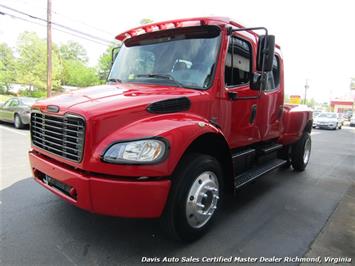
x=200, y=205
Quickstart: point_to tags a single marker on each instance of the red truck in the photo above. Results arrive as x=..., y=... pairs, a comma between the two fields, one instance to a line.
x=193, y=110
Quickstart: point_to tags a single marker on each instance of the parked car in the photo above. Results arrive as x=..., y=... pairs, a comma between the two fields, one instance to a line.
x=316, y=113
x=352, y=121
x=327, y=120
x=17, y=111
x=348, y=115
x=341, y=118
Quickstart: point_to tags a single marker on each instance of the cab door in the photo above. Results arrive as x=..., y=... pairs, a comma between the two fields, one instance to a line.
x=242, y=101
x=271, y=103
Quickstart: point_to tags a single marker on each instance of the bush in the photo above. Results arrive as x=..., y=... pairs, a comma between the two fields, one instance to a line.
x=33, y=93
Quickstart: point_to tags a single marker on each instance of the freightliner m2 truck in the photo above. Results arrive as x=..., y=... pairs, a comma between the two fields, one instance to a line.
x=193, y=109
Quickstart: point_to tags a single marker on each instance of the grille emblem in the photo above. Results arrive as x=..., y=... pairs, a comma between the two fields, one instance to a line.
x=53, y=108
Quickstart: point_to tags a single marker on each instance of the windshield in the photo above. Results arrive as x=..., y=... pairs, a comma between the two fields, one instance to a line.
x=28, y=101
x=327, y=115
x=178, y=57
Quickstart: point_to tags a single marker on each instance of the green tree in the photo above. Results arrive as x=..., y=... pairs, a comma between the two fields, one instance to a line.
x=311, y=102
x=73, y=51
x=7, y=67
x=104, y=64
x=146, y=21
x=74, y=60
x=76, y=73
x=32, y=61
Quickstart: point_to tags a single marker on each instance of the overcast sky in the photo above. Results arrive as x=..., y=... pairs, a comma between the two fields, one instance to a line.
x=317, y=37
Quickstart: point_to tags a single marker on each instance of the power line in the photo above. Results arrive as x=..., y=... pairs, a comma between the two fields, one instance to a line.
x=56, y=24
x=70, y=18
x=60, y=30
x=83, y=23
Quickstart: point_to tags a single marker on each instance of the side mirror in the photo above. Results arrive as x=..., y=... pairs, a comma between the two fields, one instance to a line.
x=255, y=81
x=114, y=53
x=259, y=81
x=266, y=49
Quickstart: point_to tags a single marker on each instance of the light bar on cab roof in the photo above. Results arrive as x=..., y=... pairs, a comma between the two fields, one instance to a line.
x=167, y=25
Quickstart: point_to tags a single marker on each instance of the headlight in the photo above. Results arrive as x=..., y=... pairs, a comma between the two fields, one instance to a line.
x=139, y=151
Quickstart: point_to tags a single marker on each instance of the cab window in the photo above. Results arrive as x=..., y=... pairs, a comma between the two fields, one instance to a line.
x=238, y=62
x=276, y=71
x=273, y=77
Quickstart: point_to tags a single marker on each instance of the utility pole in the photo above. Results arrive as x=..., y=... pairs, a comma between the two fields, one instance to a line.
x=49, y=48
x=306, y=87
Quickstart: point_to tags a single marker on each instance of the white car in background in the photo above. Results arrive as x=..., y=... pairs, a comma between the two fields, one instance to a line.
x=341, y=119
x=327, y=120
x=352, y=121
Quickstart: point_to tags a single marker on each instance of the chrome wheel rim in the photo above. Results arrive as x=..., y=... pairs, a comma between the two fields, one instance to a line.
x=202, y=199
x=307, y=151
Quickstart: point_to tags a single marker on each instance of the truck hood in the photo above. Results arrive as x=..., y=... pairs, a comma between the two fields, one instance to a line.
x=109, y=98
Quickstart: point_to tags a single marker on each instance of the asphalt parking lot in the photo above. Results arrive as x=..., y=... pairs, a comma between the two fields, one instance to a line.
x=281, y=214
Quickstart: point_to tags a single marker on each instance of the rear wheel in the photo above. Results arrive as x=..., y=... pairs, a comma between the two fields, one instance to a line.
x=18, y=122
x=195, y=197
x=301, y=152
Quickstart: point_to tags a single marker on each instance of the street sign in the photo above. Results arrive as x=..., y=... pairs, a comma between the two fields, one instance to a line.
x=295, y=99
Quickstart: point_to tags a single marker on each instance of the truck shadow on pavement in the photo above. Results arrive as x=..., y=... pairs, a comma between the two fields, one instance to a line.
x=35, y=221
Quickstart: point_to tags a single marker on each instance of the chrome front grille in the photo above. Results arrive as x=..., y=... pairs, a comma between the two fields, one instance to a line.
x=61, y=135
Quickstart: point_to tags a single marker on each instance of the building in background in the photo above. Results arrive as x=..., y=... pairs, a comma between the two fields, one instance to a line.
x=346, y=103
x=340, y=106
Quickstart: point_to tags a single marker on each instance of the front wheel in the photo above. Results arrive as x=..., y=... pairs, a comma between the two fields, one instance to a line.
x=194, y=199
x=301, y=152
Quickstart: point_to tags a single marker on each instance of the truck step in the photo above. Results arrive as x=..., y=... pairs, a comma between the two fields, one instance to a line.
x=257, y=171
x=271, y=148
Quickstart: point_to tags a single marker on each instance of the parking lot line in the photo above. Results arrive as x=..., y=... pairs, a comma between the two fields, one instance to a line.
x=14, y=130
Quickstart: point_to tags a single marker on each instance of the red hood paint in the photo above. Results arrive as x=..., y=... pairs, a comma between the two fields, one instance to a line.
x=103, y=99
x=108, y=109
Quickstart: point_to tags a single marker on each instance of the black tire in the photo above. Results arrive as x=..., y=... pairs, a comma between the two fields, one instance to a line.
x=18, y=122
x=174, y=220
x=298, y=160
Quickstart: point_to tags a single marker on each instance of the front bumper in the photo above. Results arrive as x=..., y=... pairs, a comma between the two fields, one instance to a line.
x=325, y=125
x=99, y=194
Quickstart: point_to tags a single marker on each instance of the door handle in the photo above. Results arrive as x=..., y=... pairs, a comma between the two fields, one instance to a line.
x=252, y=114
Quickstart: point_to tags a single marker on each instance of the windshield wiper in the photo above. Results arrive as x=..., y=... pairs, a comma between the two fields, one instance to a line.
x=160, y=76
x=114, y=80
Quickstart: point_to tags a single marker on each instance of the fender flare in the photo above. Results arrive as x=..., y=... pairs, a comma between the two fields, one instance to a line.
x=179, y=129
